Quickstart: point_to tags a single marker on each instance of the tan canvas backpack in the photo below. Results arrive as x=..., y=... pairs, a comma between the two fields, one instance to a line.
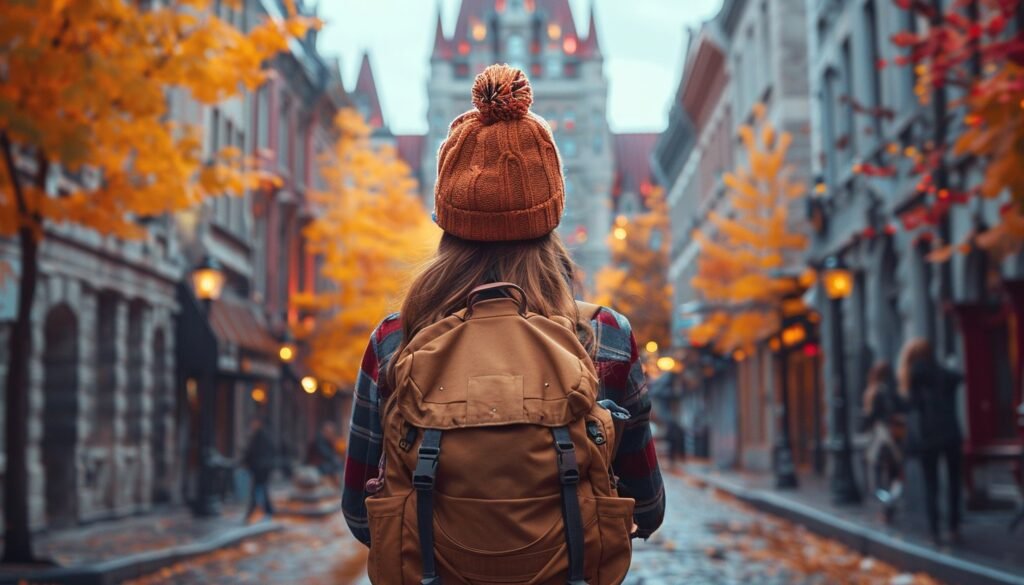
x=498, y=457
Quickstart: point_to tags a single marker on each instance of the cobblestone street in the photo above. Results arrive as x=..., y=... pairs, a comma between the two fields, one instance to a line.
x=699, y=543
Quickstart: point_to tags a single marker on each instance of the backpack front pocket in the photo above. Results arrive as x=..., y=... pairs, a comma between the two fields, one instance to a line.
x=615, y=519
x=385, y=516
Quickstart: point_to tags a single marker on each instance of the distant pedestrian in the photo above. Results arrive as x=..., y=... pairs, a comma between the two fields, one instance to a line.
x=933, y=428
x=885, y=424
x=323, y=455
x=259, y=460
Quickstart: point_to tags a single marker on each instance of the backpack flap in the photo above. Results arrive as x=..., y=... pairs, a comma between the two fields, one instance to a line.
x=494, y=368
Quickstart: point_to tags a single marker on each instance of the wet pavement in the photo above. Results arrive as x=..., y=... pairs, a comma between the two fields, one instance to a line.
x=706, y=539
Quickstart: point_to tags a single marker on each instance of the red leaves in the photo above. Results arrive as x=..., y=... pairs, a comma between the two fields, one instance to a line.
x=871, y=170
x=905, y=39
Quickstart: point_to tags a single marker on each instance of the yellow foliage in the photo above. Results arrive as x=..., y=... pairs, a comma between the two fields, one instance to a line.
x=738, y=270
x=636, y=283
x=85, y=87
x=370, y=234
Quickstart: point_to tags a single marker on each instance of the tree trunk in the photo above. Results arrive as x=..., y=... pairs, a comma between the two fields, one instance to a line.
x=17, y=537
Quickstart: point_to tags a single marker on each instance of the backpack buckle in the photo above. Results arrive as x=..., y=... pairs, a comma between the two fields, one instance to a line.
x=568, y=470
x=426, y=468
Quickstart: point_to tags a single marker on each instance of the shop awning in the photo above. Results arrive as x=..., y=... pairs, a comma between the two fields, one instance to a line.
x=236, y=323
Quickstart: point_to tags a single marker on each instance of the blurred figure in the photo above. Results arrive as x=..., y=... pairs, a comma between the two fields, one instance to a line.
x=884, y=423
x=322, y=454
x=933, y=428
x=259, y=460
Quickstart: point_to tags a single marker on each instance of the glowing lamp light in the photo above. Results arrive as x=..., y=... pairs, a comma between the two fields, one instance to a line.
x=793, y=335
x=666, y=364
x=286, y=353
x=259, y=395
x=619, y=233
x=569, y=45
x=208, y=280
x=811, y=350
x=652, y=346
x=838, y=282
x=330, y=390
x=463, y=48
x=554, y=31
x=309, y=384
x=479, y=31
x=739, y=355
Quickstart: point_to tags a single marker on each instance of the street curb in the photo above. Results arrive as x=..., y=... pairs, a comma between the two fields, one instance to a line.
x=133, y=566
x=869, y=542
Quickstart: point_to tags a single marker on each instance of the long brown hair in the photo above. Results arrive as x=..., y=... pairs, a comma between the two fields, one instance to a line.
x=916, y=350
x=541, y=267
x=880, y=373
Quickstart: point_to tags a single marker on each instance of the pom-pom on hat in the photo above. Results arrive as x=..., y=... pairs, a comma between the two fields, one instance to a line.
x=499, y=176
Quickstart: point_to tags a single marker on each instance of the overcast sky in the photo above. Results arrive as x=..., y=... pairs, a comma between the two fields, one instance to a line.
x=642, y=41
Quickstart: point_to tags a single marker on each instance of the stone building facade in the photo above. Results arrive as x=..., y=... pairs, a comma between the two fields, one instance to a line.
x=965, y=305
x=752, y=52
x=112, y=417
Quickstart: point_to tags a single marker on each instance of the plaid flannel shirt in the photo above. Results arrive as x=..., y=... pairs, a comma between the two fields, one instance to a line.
x=622, y=380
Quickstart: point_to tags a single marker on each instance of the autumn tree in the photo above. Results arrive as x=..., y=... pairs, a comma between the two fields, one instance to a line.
x=370, y=233
x=636, y=281
x=969, y=69
x=83, y=88
x=743, y=257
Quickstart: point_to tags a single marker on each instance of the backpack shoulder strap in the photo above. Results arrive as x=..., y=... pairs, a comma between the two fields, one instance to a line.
x=588, y=310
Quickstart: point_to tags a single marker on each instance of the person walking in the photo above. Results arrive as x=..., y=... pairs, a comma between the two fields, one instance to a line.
x=259, y=460
x=323, y=455
x=885, y=425
x=934, y=434
x=501, y=429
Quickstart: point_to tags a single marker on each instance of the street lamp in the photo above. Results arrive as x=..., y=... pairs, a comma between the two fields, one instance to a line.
x=208, y=280
x=838, y=283
x=207, y=284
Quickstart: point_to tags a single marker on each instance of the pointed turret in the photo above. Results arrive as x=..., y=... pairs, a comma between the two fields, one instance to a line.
x=442, y=48
x=591, y=47
x=365, y=95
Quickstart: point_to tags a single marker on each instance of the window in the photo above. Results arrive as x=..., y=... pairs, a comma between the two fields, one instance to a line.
x=568, y=147
x=871, y=27
x=553, y=65
x=847, y=131
x=828, y=123
x=283, y=132
x=515, y=46
x=766, y=44
x=263, y=117
x=214, y=134
x=300, y=157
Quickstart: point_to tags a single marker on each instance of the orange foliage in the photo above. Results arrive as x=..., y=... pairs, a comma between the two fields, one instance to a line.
x=744, y=253
x=85, y=88
x=637, y=281
x=370, y=233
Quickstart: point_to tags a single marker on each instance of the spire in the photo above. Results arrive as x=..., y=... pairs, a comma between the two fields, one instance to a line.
x=365, y=94
x=591, y=47
x=442, y=48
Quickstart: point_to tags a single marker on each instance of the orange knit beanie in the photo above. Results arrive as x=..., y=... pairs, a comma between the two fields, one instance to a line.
x=499, y=176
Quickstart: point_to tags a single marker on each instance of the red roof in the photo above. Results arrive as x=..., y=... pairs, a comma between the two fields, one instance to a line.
x=633, y=162
x=366, y=96
x=410, y=149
